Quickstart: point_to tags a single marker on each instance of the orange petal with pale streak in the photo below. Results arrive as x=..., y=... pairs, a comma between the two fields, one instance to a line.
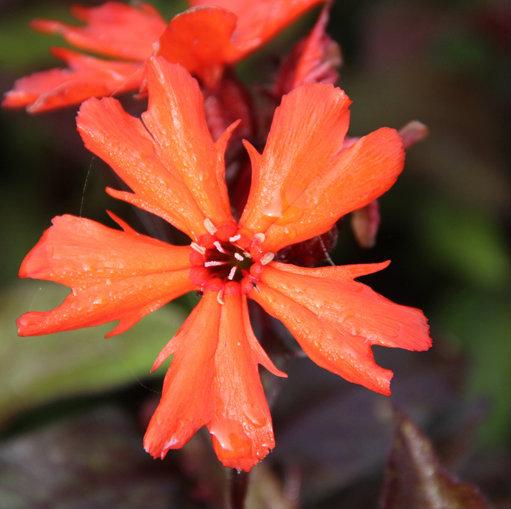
x=113, y=29
x=336, y=320
x=306, y=135
x=241, y=422
x=123, y=142
x=177, y=122
x=305, y=181
x=113, y=275
x=258, y=21
x=86, y=77
x=214, y=359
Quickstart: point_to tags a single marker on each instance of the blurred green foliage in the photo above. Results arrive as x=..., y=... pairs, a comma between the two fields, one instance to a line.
x=36, y=370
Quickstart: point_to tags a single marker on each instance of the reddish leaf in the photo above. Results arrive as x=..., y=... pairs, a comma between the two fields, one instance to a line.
x=415, y=479
x=92, y=460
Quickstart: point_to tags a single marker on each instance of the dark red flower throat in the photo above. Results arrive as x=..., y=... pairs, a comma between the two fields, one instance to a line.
x=224, y=256
x=227, y=261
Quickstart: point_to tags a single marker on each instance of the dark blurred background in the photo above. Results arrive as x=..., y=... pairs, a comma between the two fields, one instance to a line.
x=73, y=406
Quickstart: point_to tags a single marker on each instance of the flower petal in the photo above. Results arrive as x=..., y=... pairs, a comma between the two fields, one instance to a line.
x=186, y=403
x=306, y=135
x=259, y=21
x=304, y=181
x=176, y=120
x=241, y=424
x=114, y=275
x=336, y=320
x=215, y=360
x=113, y=29
x=200, y=40
x=86, y=77
x=259, y=354
x=123, y=143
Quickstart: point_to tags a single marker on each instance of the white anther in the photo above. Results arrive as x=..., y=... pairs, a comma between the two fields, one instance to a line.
x=238, y=257
x=214, y=263
x=232, y=272
x=220, y=297
x=246, y=254
x=200, y=249
x=219, y=247
x=235, y=238
x=260, y=237
x=210, y=227
x=267, y=258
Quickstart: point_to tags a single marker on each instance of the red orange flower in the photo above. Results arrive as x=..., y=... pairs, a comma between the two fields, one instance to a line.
x=303, y=182
x=204, y=39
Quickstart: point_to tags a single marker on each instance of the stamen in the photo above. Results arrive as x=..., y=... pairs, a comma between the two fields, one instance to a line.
x=235, y=238
x=260, y=237
x=220, y=297
x=210, y=227
x=214, y=263
x=238, y=256
x=246, y=254
x=219, y=247
x=267, y=258
x=200, y=249
x=232, y=272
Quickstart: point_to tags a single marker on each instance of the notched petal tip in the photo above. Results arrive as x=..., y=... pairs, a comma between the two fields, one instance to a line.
x=23, y=324
x=120, y=222
x=224, y=138
x=365, y=269
x=384, y=384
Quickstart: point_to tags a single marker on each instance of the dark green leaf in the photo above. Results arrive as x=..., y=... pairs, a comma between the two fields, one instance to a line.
x=36, y=370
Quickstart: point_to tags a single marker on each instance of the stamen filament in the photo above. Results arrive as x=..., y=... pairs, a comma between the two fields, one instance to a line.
x=267, y=258
x=214, y=263
x=232, y=272
x=200, y=249
x=210, y=227
x=219, y=247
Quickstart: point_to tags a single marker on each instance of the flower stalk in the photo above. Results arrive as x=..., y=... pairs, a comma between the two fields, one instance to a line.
x=238, y=486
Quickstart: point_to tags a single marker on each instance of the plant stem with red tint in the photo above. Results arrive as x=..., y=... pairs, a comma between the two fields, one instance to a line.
x=238, y=488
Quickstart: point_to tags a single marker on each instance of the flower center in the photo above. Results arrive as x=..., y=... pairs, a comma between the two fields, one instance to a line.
x=227, y=261
x=223, y=259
